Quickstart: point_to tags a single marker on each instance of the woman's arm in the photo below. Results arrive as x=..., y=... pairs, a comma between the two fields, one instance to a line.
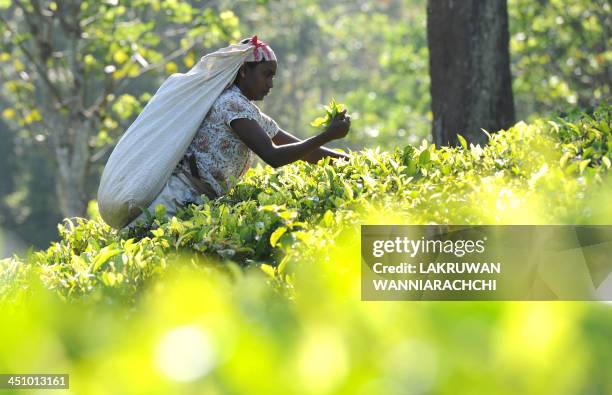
x=283, y=137
x=258, y=141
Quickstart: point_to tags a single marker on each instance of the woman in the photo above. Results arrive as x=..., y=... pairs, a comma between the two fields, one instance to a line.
x=234, y=131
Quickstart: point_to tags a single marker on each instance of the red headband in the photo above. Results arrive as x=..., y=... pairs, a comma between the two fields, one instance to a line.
x=265, y=48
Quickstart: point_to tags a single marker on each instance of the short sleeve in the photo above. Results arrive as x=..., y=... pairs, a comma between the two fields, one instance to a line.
x=269, y=125
x=234, y=107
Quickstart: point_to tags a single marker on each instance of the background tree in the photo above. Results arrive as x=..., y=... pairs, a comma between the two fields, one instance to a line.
x=66, y=67
x=469, y=65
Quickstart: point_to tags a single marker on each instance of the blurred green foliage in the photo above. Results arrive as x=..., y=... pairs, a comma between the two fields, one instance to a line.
x=117, y=43
x=560, y=54
x=370, y=55
x=373, y=56
x=259, y=292
x=198, y=331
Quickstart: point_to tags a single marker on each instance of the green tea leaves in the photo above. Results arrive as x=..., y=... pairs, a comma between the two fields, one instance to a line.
x=276, y=219
x=331, y=110
x=104, y=255
x=462, y=141
x=277, y=235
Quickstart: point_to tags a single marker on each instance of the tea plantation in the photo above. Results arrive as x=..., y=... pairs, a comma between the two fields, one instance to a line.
x=547, y=172
x=266, y=279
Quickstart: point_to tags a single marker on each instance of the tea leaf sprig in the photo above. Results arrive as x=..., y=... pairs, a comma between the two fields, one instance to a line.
x=331, y=110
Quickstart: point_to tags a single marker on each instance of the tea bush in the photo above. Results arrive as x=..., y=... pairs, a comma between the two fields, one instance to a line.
x=258, y=292
x=546, y=172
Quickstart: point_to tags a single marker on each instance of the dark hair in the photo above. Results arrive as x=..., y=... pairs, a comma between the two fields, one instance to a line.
x=252, y=65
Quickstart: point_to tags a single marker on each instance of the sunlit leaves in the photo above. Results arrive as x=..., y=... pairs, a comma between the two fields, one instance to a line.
x=31, y=117
x=126, y=105
x=462, y=141
x=171, y=68
x=276, y=218
x=116, y=40
x=557, y=53
x=189, y=59
x=8, y=113
x=331, y=110
x=277, y=235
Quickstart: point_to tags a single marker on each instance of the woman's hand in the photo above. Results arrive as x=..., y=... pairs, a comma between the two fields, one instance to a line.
x=338, y=127
x=283, y=137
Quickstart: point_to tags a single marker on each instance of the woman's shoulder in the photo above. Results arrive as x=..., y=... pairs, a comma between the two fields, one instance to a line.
x=232, y=101
x=232, y=94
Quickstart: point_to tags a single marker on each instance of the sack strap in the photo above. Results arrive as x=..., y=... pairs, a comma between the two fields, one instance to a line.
x=193, y=179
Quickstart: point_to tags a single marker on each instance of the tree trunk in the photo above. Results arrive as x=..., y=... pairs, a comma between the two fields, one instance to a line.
x=72, y=158
x=469, y=63
x=70, y=187
x=72, y=176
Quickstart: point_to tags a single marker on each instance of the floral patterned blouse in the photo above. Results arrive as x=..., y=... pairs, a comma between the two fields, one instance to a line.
x=221, y=157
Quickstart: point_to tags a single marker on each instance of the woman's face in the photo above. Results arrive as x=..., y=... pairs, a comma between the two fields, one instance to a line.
x=257, y=81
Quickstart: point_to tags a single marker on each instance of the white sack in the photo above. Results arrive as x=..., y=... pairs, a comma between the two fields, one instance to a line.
x=150, y=149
